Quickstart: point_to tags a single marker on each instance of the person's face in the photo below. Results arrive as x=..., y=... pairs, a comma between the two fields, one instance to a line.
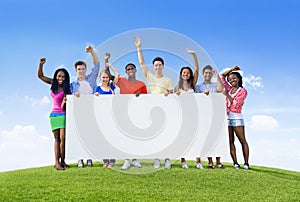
x=130, y=71
x=81, y=71
x=60, y=77
x=233, y=80
x=104, y=78
x=158, y=66
x=207, y=75
x=185, y=74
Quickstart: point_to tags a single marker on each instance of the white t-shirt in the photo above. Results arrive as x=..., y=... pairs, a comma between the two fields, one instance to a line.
x=85, y=88
x=233, y=115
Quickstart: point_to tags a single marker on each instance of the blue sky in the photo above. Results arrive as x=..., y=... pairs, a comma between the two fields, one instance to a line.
x=260, y=36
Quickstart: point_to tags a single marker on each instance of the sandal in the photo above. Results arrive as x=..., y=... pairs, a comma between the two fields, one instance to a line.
x=220, y=166
x=211, y=167
x=60, y=168
x=64, y=165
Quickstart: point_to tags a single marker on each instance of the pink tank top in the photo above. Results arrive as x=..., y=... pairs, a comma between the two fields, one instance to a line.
x=56, y=102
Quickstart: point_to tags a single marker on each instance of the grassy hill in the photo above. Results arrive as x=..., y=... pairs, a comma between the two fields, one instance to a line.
x=177, y=184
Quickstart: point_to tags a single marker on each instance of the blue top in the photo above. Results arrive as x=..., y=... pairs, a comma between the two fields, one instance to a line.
x=99, y=89
x=91, y=79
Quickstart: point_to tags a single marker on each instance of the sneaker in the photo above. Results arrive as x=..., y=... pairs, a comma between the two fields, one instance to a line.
x=199, y=166
x=184, y=165
x=246, y=166
x=236, y=166
x=136, y=163
x=126, y=165
x=89, y=163
x=156, y=163
x=167, y=164
x=80, y=163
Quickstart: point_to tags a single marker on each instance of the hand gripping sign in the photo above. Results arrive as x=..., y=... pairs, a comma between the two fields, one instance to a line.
x=148, y=126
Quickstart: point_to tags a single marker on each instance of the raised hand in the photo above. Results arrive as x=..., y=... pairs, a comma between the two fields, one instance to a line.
x=190, y=51
x=42, y=60
x=138, y=41
x=106, y=56
x=89, y=49
x=214, y=72
x=235, y=68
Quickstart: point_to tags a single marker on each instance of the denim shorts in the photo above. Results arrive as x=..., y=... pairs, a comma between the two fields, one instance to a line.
x=235, y=122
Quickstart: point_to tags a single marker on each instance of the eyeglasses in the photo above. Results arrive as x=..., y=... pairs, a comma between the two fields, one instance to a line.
x=129, y=69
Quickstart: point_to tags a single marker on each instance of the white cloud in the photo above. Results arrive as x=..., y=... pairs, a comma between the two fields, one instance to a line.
x=293, y=140
x=21, y=137
x=252, y=81
x=22, y=147
x=263, y=123
x=38, y=102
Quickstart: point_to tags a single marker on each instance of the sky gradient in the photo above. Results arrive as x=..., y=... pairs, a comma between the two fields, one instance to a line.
x=260, y=36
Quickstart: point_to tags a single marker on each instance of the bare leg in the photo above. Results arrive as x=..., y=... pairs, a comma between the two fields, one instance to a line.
x=182, y=160
x=231, y=144
x=63, y=147
x=218, y=160
x=240, y=133
x=198, y=160
x=210, y=161
x=56, y=148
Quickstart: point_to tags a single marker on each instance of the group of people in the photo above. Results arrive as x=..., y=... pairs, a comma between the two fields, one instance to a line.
x=229, y=83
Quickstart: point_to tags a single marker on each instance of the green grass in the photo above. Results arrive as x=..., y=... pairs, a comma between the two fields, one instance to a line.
x=177, y=184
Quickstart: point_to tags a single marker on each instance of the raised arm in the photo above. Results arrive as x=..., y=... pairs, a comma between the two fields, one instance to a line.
x=41, y=73
x=235, y=68
x=90, y=49
x=220, y=83
x=196, y=65
x=138, y=44
x=106, y=58
x=117, y=74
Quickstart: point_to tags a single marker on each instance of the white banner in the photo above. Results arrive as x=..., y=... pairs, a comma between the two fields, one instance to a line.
x=146, y=127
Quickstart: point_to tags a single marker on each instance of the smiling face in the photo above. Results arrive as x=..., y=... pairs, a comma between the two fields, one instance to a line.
x=185, y=74
x=60, y=77
x=233, y=80
x=81, y=72
x=130, y=71
x=104, y=77
x=158, y=67
x=207, y=75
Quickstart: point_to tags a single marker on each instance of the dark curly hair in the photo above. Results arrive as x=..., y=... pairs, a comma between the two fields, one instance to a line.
x=190, y=80
x=65, y=84
x=238, y=76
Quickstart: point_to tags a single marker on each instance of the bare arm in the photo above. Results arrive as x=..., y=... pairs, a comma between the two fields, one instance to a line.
x=220, y=83
x=117, y=74
x=64, y=102
x=106, y=57
x=176, y=90
x=41, y=73
x=230, y=70
x=90, y=49
x=196, y=65
x=138, y=45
